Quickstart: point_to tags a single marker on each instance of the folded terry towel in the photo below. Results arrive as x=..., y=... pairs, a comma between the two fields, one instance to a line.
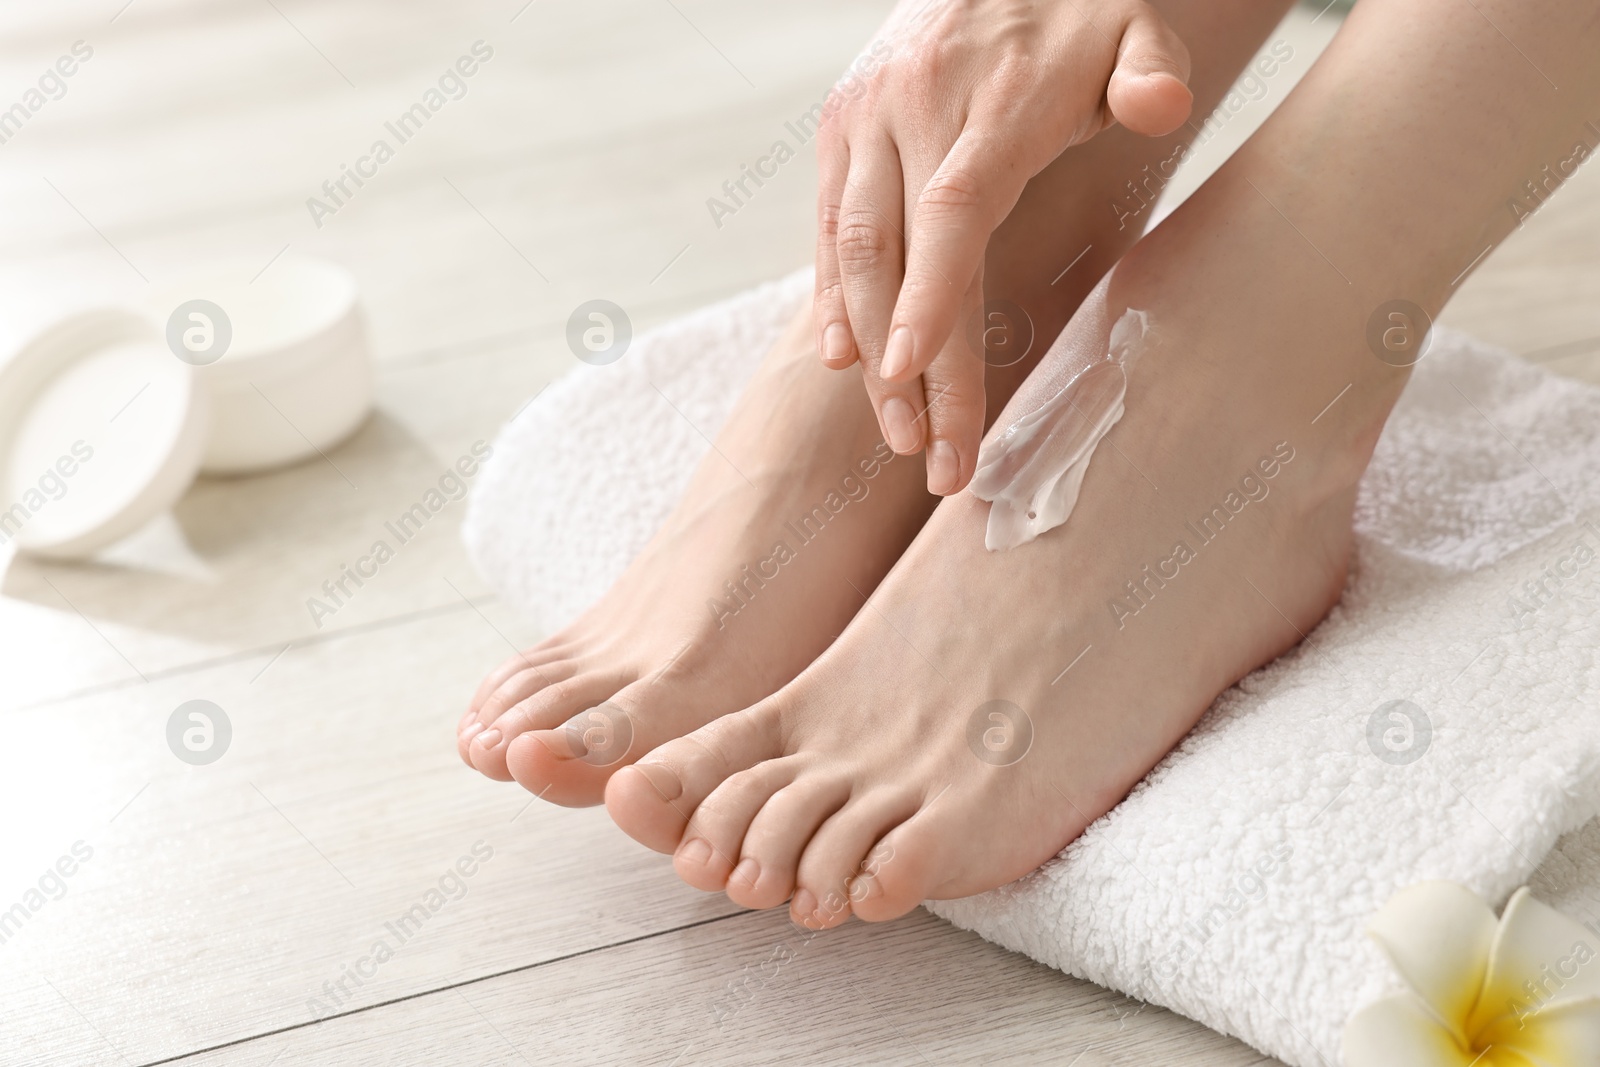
x=1442, y=723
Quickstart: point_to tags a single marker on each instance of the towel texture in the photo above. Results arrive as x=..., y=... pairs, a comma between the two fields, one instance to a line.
x=1443, y=722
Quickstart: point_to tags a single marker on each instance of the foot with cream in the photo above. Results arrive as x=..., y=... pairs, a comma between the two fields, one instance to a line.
x=1209, y=412
x=714, y=615
x=988, y=704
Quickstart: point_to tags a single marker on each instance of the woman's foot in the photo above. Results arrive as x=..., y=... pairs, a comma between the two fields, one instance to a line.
x=759, y=567
x=985, y=707
x=650, y=662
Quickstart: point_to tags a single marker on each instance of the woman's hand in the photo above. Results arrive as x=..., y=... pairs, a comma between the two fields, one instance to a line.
x=964, y=102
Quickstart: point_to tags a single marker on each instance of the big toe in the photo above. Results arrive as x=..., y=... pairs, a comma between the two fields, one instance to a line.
x=653, y=800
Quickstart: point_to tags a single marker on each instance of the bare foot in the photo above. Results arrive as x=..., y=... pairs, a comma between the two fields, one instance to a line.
x=985, y=707
x=653, y=661
x=760, y=566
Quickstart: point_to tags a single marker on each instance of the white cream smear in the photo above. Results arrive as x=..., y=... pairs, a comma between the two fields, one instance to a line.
x=1032, y=472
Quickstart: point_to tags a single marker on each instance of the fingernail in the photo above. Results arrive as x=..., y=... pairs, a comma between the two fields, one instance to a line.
x=661, y=777
x=489, y=738
x=747, y=872
x=695, y=852
x=836, y=343
x=900, y=425
x=943, y=468
x=897, y=357
x=1158, y=73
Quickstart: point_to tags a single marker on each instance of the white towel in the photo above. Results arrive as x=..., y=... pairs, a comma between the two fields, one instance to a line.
x=1232, y=885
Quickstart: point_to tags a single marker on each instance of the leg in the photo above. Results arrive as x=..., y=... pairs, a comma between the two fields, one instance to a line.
x=652, y=649
x=1213, y=529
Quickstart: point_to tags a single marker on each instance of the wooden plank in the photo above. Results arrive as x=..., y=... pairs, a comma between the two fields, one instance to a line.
x=220, y=898
x=754, y=989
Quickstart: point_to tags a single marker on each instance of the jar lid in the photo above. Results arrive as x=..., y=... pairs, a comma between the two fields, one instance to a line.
x=101, y=430
x=239, y=322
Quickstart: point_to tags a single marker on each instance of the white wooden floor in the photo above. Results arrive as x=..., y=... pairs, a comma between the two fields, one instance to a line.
x=218, y=903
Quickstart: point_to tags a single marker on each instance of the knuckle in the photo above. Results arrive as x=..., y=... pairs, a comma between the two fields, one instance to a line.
x=828, y=218
x=863, y=242
x=952, y=189
x=830, y=296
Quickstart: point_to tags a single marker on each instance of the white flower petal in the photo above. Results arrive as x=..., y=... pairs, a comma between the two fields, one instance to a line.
x=1438, y=936
x=1563, y=1035
x=1540, y=958
x=1399, y=1032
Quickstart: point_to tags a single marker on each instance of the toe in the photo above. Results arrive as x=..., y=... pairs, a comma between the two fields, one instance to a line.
x=898, y=873
x=709, y=852
x=536, y=671
x=843, y=851
x=548, y=707
x=777, y=837
x=653, y=800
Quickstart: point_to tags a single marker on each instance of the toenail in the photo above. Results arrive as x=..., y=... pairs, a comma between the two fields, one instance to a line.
x=472, y=731
x=695, y=853
x=804, y=907
x=864, y=887
x=601, y=736
x=660, y=776
x=489, y=738
x=747, y=872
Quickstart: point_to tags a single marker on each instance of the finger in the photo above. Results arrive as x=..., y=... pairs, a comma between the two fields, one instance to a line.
x=871, y=259
x=1149, y=91
x=972, y=191
x=829, y=313
x=954, y=386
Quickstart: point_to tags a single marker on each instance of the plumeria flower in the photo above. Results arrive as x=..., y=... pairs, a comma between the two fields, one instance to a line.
x=1523, y=991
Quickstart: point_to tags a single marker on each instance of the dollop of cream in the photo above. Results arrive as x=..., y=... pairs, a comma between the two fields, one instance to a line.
x=1032, y=472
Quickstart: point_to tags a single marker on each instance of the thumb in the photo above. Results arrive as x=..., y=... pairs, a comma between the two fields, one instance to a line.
x=1149, y=92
